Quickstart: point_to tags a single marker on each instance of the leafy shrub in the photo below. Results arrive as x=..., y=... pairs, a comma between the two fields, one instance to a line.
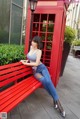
x=76, y=43
x=69, y=34
x=11, y=53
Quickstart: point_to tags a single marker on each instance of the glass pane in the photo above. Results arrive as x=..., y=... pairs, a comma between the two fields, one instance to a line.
x=48, y=46
x=18, y=2
x=35, y=27
x=43, y=17
x=49, y=37
x=43, y=27
x=47, y=63
x=36, y=18
x=48, y=55
x=4, y=20
x=42, y=35
x=34, y=34
x=50, y=27
x=16, y=24
x=51, y=18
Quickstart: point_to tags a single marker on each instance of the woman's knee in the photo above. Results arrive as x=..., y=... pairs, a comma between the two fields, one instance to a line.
x=39, y=77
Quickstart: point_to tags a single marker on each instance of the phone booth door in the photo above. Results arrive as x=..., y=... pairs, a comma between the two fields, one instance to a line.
x=48, y=24
x=43, y=25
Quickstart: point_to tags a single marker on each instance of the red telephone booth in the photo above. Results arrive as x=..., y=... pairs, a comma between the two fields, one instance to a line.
x=49, y=23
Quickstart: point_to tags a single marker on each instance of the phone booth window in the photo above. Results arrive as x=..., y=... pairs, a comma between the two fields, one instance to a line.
x=43, y=25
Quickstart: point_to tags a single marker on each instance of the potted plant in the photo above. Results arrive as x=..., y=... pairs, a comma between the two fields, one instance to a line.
x=69, y=36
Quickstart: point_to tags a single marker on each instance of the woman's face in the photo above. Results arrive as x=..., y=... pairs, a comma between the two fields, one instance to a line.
x=34, y=44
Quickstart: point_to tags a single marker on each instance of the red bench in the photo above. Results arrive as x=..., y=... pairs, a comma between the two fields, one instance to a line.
x=16, y=83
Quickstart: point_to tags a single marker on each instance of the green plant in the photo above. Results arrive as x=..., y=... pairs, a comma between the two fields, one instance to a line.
x=50, y=27
x=76, y=43
x=50, y=37
x=11, y=53
x=69, y=35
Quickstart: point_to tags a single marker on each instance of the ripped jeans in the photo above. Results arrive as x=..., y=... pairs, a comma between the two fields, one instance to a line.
x=46, y=80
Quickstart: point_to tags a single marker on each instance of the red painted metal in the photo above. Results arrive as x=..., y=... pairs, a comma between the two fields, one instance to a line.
x=13, y=72
x=16, y=97
x=9, y=65
x=49, y=13
x=66, y=2
x=3, y=77
x=13, y=95
x=16, y=102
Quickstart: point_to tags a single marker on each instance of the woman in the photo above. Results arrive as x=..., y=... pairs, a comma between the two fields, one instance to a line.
x=40, y=71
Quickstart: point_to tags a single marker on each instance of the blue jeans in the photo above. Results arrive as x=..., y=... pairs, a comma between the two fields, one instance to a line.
x=46, y=80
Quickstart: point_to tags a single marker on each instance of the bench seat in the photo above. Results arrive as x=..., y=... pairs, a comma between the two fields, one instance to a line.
x=13, y=95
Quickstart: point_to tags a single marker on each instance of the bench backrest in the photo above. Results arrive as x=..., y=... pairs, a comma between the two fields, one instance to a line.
x=13, y=73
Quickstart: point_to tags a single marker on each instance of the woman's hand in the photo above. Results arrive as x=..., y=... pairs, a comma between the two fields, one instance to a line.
x=24, y=61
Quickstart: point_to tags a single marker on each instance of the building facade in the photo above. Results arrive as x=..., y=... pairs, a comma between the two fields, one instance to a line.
x=73, y=18
x=11, y=18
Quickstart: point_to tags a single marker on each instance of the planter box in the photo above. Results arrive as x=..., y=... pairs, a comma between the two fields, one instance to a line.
x=66, y=50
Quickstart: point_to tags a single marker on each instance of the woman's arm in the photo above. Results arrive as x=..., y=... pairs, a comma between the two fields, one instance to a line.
x=39, y=53
x=26, y=61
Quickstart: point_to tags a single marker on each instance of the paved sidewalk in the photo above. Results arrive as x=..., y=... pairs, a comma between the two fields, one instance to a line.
x=39, y=105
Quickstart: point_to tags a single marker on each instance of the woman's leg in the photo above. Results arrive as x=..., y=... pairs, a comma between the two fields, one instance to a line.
x=39, y=77
x=49, y=84
x=53, y=91
x=43, y=76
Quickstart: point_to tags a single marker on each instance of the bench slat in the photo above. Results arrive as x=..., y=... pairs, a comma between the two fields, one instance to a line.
x=14, y=97
x=14, y=73
x=12, y=69
x=12, y=87
x=16, y=102
x=21, y=94
x=16, y=89
x=14, y=78
x=10, y=65
x=16, y=93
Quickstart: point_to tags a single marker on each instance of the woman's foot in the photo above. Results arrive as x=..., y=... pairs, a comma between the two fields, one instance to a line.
x=57, y=105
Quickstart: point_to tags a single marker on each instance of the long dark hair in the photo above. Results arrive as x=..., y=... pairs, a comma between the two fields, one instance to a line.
x=38, y=40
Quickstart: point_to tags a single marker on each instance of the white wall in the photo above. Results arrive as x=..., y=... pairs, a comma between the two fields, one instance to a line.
x=73, y=15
